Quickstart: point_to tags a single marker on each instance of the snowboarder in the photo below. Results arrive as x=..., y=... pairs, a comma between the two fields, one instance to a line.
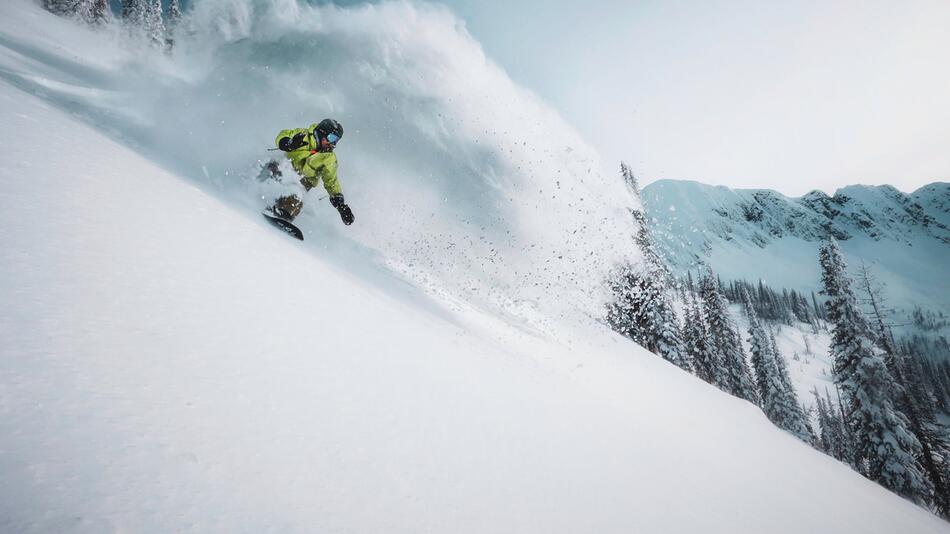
x=310, y=150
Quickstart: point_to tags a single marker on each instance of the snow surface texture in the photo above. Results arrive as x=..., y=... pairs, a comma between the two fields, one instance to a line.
x=755, y=234
x=172, y=363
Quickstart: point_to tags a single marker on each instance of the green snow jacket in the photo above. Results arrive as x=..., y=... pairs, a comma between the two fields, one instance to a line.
x=312, y=164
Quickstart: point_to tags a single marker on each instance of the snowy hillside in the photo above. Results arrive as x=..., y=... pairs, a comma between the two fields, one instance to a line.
x=444, y=156
x=172, y=363
x=759, y=234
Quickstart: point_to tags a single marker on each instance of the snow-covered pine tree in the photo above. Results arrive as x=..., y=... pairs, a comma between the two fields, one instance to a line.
x=635, y=309
x=819, y=310
x=89, y=11
x=874, y=297
x=99, y=12
x=620, y=309
x=135, y=14
x=782, y=369
x=630, y=179
x=777, y=397
x=842, y=449
x=769, y=387
x=800, y=307
x=172, y=21
x=794, y=417
x=938, y=391
x=825, y=432
x=935, y=455
x=907, y=392
x=806, y=421
x=942, y=378
x=703, y=360
x=174, y=15
x=919, y=385
x=145, y=17
x=63, y=8
x=642, y=308
x=83, y=10
x=882, y=439
x=834, y=438
x=733, y=376
x=670, y=341
x=155, y=25
x=934, y=386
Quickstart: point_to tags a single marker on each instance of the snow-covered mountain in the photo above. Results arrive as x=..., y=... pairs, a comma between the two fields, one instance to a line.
x=760, y=234
x=172, y=363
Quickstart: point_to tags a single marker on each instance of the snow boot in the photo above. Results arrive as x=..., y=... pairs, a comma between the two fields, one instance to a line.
x=287, y=207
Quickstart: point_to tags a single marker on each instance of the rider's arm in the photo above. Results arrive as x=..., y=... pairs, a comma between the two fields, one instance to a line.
x=288, y=140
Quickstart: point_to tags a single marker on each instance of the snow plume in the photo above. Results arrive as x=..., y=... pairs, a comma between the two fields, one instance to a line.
x=459, y=179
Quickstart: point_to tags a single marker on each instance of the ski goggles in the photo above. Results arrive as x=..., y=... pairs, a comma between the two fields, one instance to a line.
x=332, y=138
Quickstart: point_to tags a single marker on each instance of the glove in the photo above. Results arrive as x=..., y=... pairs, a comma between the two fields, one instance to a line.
x=287, y=144
x=345, y=212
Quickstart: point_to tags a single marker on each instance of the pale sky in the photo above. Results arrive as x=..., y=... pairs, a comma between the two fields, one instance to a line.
x=792, y=95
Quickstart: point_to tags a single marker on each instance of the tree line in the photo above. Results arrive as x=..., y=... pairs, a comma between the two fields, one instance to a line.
x=145, y=18
x=883, y=420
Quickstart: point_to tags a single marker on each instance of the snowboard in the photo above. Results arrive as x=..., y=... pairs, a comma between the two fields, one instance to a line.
x=283, y=224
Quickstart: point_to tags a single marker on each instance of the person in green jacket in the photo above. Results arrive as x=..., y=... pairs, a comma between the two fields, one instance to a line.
x=310, y=150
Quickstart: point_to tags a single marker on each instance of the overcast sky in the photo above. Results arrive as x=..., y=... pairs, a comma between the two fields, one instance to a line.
x=792, y=95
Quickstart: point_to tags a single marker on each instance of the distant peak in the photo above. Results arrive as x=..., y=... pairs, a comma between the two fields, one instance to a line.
x=934, y=187
x=815, y=194
x=852, y=190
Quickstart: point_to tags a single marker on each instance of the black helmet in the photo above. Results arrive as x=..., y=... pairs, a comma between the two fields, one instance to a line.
x=327, y=127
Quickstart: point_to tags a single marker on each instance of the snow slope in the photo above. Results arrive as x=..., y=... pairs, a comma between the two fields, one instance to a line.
x=172, y=363
x=444, y=157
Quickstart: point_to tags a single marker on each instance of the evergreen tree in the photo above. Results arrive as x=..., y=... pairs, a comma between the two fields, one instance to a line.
x=145, y=17
x=641, y=308
x=778, y=398
x=882, y=439
x=793, y=417
x=174, y=14
x=930, y=395
x=845, y=451
x=763, y=365
x=819, y=310
x=800, y=308
x=100, y=12
x=733, y=376
x=833, y=436
x=917, y=403
x=630, y=179
x=704, y=362
x=63, y=8
x=135, y=14
x=155, y=25
x=907, y=391
x=89, y=11
x=825, y=432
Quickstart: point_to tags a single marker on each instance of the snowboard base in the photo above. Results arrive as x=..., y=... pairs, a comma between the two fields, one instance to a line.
x=283, y=224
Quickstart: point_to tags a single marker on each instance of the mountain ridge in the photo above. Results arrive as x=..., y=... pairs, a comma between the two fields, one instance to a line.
x=840, y=212
x=762, y=234
x=869, y=186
